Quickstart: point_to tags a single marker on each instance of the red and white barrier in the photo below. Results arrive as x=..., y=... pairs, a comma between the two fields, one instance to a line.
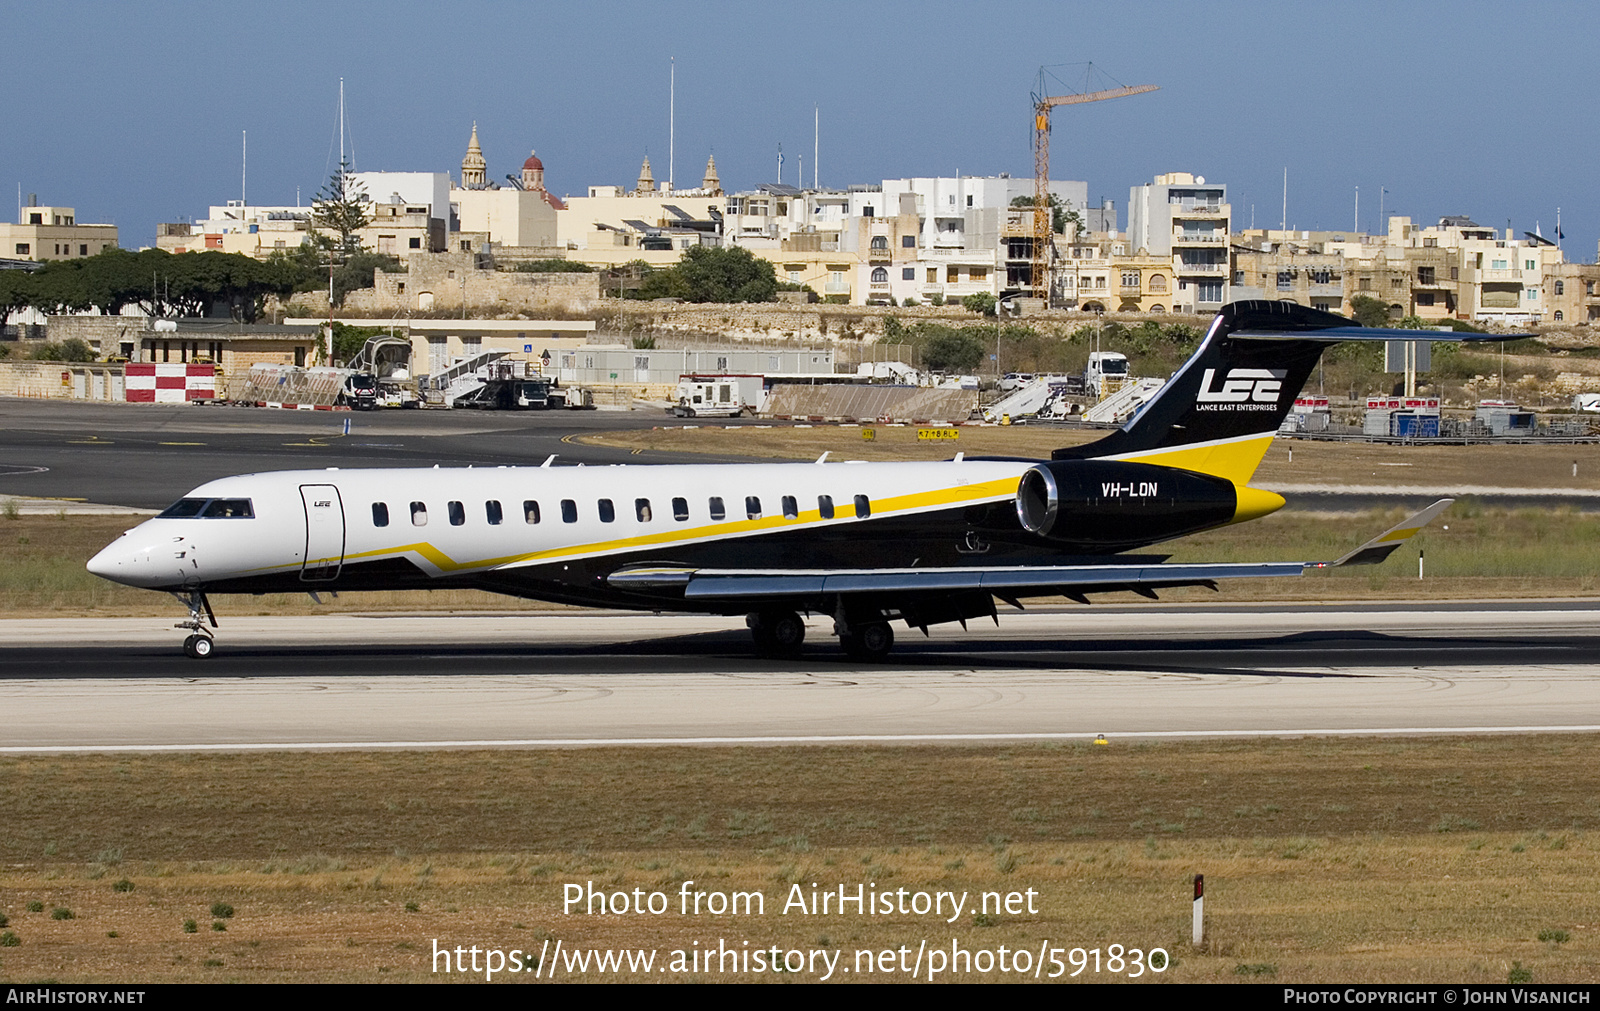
x=168, y=383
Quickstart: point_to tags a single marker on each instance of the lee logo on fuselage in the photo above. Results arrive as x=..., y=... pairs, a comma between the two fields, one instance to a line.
x=1245, y=387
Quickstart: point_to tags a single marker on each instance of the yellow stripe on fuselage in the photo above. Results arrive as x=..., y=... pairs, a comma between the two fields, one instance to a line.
x=900, y=504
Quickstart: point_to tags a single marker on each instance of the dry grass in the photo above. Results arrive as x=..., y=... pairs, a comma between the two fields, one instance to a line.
x=1370, y=860
x=1483, y=554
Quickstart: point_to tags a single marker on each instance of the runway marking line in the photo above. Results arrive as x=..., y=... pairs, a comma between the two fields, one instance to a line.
x=831, y=739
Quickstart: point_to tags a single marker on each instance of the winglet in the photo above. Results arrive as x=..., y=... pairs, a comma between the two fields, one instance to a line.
x=1381, y=546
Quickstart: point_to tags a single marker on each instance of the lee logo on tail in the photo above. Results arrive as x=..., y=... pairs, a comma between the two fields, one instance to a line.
x=1260, y=386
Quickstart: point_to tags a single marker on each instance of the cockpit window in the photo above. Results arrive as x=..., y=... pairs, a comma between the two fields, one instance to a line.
x=228, y=508
x=209, y=508
x=184, y=508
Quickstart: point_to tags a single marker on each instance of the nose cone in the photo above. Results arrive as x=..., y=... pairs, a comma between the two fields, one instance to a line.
x=122, y=561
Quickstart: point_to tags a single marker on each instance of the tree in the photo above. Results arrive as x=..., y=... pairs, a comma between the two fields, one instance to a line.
x=341, y=208
x=1058, y=217
x=70, y=350
x=726, y=274
x=981, y=303
x=16, y=292
x=1369, y=311
x=947, y=349
x=554, y=266
x=349, y=340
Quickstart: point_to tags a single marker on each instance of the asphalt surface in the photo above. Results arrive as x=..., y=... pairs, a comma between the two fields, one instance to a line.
x=147, y=456
x=583, y=678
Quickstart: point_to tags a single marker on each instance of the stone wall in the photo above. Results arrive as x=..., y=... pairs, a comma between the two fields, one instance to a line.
x=105, y=334
x=824, y=322
x=61, y=380
x=438, y=282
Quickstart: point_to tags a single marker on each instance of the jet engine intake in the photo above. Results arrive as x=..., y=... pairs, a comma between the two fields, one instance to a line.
x=1104, y=504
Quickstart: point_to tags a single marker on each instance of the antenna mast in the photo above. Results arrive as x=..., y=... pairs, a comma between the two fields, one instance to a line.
x=672, y=119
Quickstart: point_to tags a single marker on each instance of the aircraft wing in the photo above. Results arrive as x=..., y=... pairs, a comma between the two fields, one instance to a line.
x=1003, y=581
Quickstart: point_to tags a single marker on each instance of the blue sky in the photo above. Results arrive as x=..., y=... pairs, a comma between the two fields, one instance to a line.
x=132, y=112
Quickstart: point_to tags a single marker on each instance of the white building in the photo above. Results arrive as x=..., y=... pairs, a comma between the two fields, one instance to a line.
x=1182, y=216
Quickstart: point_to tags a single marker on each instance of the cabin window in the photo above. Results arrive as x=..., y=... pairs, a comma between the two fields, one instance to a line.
x=641, y=509
x=530, y=511
x=458, y=513
x=863, y=507
x=717, y=510
x=380, y=514
x=825, y=506
x=419, y=514
x=493, y=513
x=752, y=506
x=791, y=509
x=680, y=509
x=608, y=512
x=569, y=511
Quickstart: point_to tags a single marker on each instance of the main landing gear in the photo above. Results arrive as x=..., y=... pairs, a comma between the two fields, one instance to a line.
x=200, y=644
x=871, y=641
x=777, y=633
x=781, y=633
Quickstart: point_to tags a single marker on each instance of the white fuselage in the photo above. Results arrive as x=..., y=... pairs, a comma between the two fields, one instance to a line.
x=313, y=525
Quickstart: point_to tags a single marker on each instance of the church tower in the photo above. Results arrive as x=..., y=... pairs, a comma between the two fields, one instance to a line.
x=474, y=174
x=647, y=182
x=533, y=173
x=711, y=184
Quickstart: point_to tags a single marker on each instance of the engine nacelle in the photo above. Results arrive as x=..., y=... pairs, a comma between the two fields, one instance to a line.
x=1101, y=504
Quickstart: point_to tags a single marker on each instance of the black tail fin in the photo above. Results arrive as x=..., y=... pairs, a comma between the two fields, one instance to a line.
x=1218, y=413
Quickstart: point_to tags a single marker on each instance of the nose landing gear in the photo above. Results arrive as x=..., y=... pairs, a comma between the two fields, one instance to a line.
x=200, y=644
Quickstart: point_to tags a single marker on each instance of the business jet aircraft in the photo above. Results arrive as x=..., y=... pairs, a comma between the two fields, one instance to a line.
x=866, y=543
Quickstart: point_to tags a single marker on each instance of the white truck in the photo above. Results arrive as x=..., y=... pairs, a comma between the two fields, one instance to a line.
x=717, y=396
x=1106, y=373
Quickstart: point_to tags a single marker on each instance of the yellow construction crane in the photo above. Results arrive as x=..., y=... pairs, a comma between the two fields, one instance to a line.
x=1042, y=230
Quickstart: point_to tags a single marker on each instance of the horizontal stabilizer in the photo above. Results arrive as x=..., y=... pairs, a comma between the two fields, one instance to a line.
x=1335, y=334
x=1383, y=545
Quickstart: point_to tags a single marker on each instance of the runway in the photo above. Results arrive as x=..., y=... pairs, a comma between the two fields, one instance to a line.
x=572, y=679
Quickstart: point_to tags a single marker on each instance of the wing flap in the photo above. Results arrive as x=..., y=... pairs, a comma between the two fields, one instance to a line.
x=703, y=584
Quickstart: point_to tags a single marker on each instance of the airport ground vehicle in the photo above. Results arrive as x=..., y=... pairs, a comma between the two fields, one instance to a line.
x=719, y=396
x=865, y=543
x=360, y=392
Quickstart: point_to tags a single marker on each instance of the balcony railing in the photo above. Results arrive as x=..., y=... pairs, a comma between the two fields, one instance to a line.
x=1202, y=268
x=1500, y=274
x=1198, y=238
x=836, y=288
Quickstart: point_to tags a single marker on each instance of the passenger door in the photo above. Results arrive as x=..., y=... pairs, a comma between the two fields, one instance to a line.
x=324, y=533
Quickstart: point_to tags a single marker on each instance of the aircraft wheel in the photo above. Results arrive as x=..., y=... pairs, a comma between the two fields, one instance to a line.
x=778, y=633
x=872, y=641
x=198, y=646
